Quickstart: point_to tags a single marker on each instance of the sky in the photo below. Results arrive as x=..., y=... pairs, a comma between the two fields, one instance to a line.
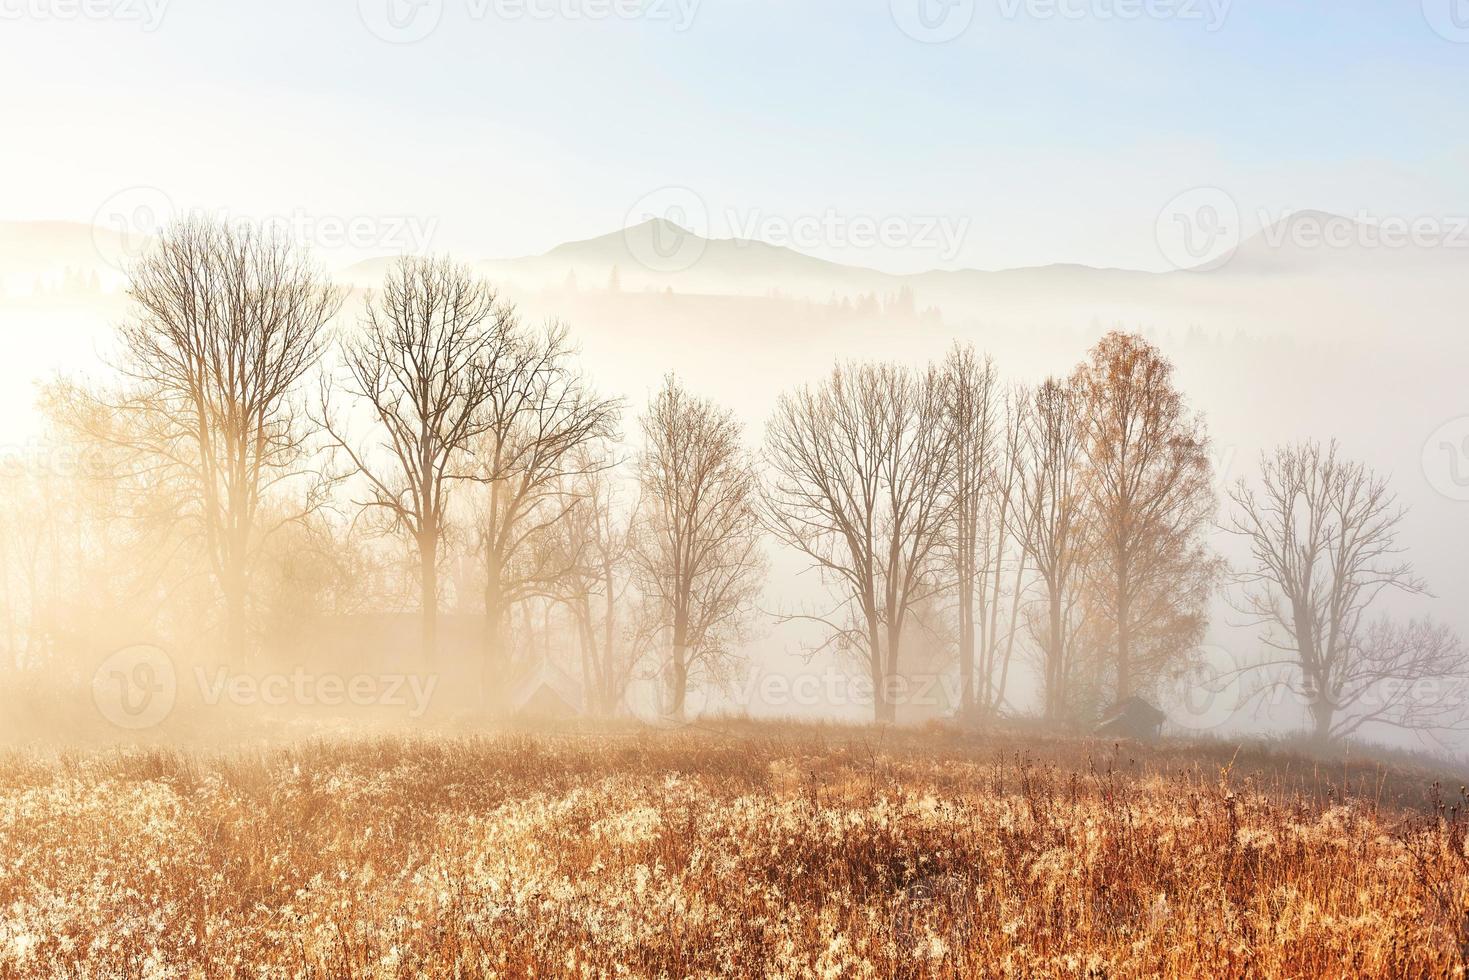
x=1034, y=131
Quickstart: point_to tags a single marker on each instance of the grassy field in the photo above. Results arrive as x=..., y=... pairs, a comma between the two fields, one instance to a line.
x=729, y=850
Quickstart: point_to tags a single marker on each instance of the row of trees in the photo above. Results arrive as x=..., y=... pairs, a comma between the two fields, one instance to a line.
x=442, y=422
x=1063, y=525
x=1073, y=514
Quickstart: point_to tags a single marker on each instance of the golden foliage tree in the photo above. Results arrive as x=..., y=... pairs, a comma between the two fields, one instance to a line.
x=1148, y=483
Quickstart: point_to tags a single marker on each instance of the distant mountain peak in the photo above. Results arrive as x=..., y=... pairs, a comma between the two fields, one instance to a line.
x=1317, y=241
x=658, y=225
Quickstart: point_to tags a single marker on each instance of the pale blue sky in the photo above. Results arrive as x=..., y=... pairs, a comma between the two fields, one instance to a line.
x=1054, y=139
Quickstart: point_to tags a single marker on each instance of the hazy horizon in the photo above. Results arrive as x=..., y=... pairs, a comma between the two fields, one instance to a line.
x=745, y=193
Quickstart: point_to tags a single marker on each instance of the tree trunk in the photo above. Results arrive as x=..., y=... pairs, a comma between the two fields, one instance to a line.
x=1124, y=635
x=966, y=645
x=895, y=689
x=497, y=633
x=678, y=685
x=678, y=667
x=428, y=597
x=1055, y=696
x=609, y=694
x=234, y=586
x=880, y=712
x=1322, y=715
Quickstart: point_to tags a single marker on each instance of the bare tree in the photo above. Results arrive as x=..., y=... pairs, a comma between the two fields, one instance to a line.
x=859, y=485
x=970, y=387
x=424, y=367
x=700, y=551
x=539, y=417
x=1413, y=676
x=596, y=546
x=1005, y=582
x=227, y=323
x=1148, y=481
x=1052, y=527
x=1323, y=539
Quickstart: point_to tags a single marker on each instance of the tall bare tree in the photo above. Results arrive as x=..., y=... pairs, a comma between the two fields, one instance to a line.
x=971, y=408
x=1323, y=538
x=700, y=551
x=1005, y=583
x=539, y=417
x=859, y=485
x=1052, y=526
x=1149, y=486
x=424, y=366
x=597, y=547
x=227, y=322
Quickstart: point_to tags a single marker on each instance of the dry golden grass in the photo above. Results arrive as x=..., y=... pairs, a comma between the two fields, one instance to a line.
x=751, y=851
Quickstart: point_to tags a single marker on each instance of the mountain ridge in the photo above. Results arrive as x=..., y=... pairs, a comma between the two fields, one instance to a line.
x=70, y=237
